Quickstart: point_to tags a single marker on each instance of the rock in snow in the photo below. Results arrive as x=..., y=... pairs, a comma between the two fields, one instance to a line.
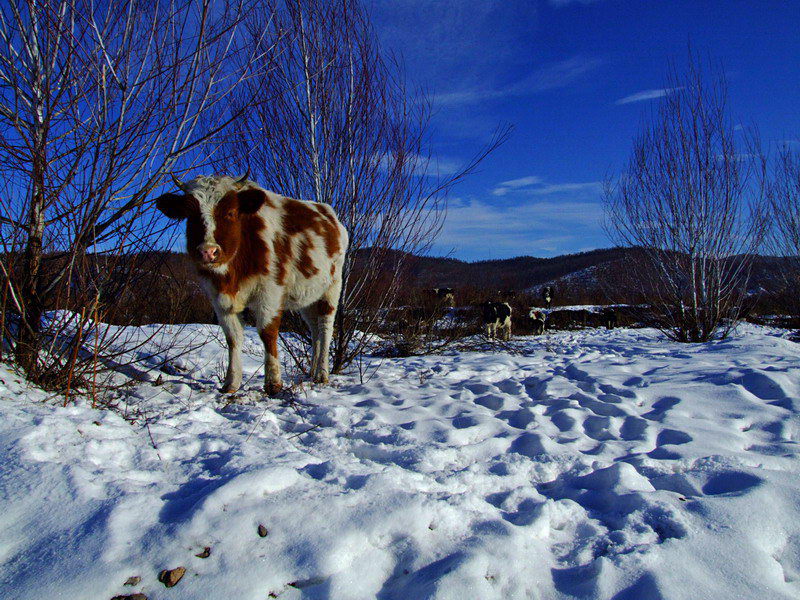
x=171, y=577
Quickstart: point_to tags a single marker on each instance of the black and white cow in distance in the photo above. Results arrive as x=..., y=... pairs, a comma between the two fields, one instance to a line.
x=547, y=295
x=496, y=318
x=538, y=318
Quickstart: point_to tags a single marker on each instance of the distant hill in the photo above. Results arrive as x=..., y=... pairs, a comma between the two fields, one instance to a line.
x=582, y=276
x=519, y=273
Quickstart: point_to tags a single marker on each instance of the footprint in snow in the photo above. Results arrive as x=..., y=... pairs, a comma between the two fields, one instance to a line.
x=490, y=401
x=762, y=386
x=731, y=482
x=661, y=407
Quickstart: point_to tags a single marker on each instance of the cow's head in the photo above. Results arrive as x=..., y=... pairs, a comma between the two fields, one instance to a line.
x=215, y=209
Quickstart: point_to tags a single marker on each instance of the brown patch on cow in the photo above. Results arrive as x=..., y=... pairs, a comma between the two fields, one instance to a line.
x=324, y=307
x=333, y=269
x=269, y=335
x=299, y=217
x=305, y=264
x=282, y=245
x=242, y=247
x=252, y=199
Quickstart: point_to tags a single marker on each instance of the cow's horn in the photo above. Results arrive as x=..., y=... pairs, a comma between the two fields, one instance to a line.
x=178, y=182
x=244, y=177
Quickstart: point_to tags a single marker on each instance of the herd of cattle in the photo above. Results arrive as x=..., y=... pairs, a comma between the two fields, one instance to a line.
x=496, y=317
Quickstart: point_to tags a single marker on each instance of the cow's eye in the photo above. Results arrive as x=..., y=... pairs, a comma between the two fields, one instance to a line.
x=231, y=214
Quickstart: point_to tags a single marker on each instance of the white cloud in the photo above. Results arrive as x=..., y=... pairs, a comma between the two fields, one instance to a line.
x=740, y=157
x=562, y=3
x=534, y=185
x=548, y=77
x=522, y=181
x=482, y=230
x=646, y=95
x=560, y=188
x=433, y=166
x=457, y=45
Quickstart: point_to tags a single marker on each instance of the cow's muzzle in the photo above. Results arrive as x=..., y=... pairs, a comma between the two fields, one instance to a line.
x=209, y=253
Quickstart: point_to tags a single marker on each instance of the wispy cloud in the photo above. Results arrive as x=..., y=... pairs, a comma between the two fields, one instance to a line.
x=431, y=166
x=513, y=184
x=454, y=45
x=534, y=185
x=479, y=230
x=646, y=95
x=740, y=157
x=548, y=77
x=562, y=3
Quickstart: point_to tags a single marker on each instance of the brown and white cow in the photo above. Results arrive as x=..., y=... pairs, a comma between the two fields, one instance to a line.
x=256, y=249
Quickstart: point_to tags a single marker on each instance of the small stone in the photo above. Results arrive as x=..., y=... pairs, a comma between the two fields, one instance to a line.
x=262, y=531
x=133, y=580
x=98, y=423
x=170, y=577
x=205, y=553
x=159, y=380
x=136, y=596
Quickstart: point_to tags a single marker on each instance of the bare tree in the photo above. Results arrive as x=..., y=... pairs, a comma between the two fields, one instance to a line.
x=98, y=101
x=335, y=122
x=690, y=200
x=783, y=184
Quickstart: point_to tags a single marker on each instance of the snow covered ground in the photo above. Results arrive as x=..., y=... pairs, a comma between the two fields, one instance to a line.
x=591, y=464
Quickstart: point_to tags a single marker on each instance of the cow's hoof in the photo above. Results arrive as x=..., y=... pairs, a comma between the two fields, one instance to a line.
x=272, y=388
x=321, y=378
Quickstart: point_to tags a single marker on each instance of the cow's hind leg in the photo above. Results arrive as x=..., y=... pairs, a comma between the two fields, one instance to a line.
x=232, y=327
x=311, y=317
x=268, y=322
x=325, y=309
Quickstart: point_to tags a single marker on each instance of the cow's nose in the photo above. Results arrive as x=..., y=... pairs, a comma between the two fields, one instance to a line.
x=209, y=253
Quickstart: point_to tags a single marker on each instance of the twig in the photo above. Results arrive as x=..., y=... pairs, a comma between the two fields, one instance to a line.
x=317, y=426
x=150, y=435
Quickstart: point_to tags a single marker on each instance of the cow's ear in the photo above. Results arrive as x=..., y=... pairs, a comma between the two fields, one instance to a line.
x=172, y=205
x=251, y=200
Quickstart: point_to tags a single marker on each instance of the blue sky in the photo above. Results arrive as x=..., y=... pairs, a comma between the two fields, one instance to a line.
x=574, y=78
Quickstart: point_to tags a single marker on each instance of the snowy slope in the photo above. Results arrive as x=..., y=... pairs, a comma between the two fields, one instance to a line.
x=591, y=464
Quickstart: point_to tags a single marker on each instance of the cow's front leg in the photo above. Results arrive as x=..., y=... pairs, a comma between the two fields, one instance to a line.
x=268, y=323
x=232, y=327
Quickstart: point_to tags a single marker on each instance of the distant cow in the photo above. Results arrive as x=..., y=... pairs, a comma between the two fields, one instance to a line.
x=444, y=296
x=538, y=318
x=608, y=318
x=547, y=295
x=254, y=248
x=497, y=317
